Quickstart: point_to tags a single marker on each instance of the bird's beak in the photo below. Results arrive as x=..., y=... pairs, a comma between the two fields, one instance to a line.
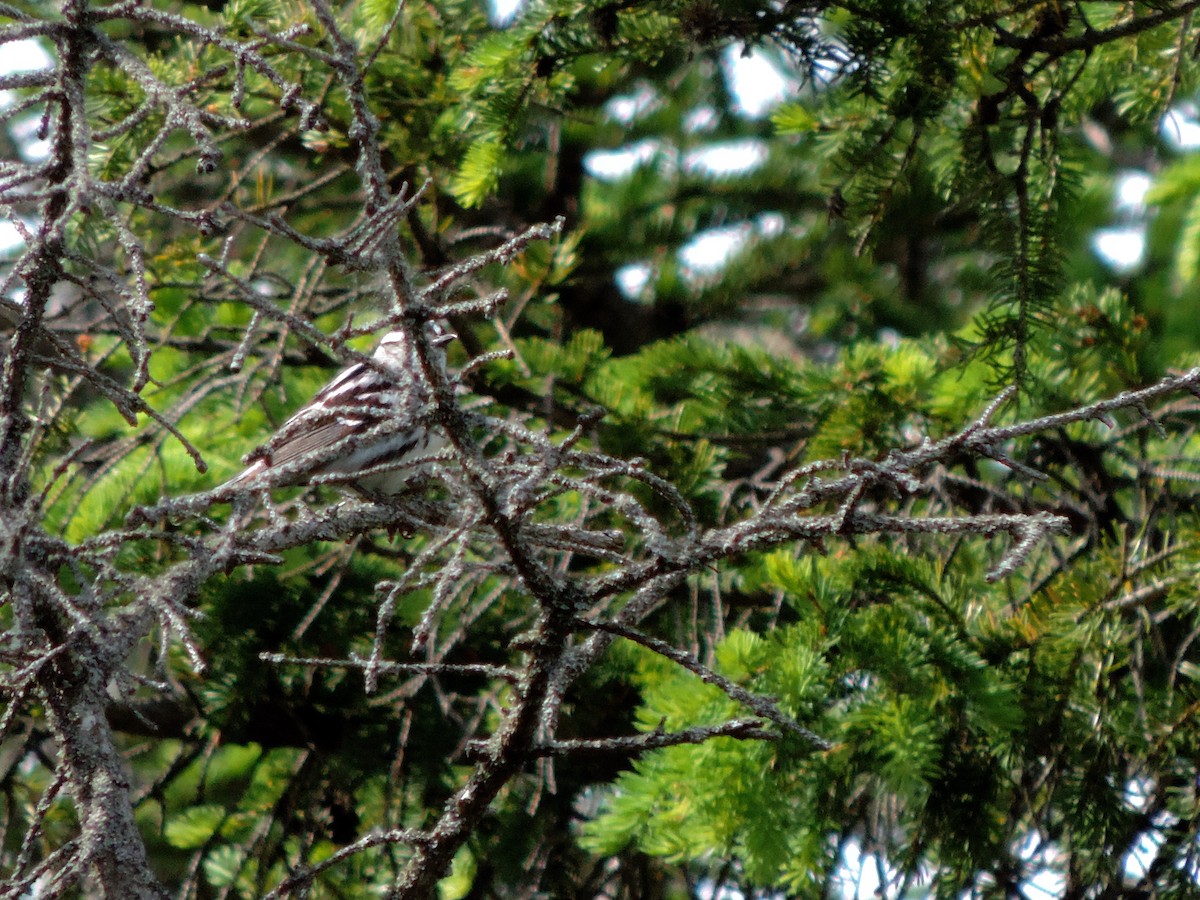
x=441, y=340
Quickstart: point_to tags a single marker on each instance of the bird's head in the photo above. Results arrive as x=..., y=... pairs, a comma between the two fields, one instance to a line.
x=395, y=347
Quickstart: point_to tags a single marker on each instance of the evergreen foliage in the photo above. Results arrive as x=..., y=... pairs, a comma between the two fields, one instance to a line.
x=874, y=539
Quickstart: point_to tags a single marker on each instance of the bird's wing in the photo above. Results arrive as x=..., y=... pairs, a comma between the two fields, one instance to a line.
x=284, y=447
x=353, y=401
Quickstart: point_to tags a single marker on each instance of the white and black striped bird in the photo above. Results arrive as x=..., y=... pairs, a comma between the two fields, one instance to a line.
x=370, y=418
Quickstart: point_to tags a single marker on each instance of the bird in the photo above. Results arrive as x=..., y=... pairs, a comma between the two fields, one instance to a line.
x=369, y=417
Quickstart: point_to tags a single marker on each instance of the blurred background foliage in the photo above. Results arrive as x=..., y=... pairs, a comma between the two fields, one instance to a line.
x=793, y=231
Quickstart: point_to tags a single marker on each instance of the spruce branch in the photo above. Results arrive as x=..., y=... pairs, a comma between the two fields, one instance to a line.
x=587, y=545
x=636, y=745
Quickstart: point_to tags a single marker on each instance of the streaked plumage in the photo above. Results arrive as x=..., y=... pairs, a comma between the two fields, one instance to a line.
x=363, y=418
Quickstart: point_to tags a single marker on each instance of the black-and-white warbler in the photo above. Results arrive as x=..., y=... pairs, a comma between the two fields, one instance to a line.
x=369, y=419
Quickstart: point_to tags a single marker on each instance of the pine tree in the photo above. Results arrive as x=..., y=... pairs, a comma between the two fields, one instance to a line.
x=864, y=542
